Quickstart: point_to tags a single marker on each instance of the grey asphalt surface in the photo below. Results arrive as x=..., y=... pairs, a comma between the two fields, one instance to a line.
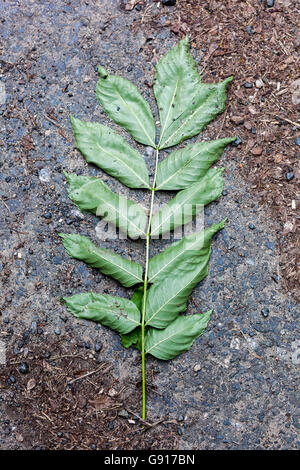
x=242, y=394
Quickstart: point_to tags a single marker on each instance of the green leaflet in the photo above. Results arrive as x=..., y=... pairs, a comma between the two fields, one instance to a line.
x=123, y=270
x=134, y=337
x=177, y=337
x=91, y=194
x=137, y=297
x=109, y=151
x=188, y=202
x=168, y=261
x=185, y=104
x=189, y=164
x=125, y=105
x=118, y=313
x=167, y=298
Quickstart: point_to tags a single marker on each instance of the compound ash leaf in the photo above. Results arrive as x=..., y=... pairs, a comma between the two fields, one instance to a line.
x=186, y=105
x=92, y=195
x=125, y=105
x=118, y=313
x=189, y=164
x=176, y=338
x=188, y=202
x=123, y=270
x=104, y=148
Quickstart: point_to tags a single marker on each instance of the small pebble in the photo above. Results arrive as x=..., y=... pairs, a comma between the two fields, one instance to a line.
x=249, y=30
x=24, y=368
x=60, y=434
x=289, y=176
x=44, y=175
x=169, y=3
x=251, y=226
x=237, y=119
x=98, y=347
x=179, y=431
x=265, y=312
x=197, y=367
x=57, y=331
x=12, y=379
x=270, y=3
x=123, y=414
x=248, y=85
x=297, y=141
x=257, y=151
x=259, y=83
x=236, y=142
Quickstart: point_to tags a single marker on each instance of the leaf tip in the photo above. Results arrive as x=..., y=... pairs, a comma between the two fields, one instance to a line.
x=228, y=80
x=103, y=73
x=68, y=176
x=223, y=222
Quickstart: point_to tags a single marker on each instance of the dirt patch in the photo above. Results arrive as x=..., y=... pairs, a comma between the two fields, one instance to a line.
x=258, y=43
x=56, y=398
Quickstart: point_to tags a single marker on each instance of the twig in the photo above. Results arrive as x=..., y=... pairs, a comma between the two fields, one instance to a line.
x=292, y=137
x=68, y=355
x=146, y=12
x=56, y=125
x=5, y=204
x=288, y=120
x=151, y=425
x=89, y=373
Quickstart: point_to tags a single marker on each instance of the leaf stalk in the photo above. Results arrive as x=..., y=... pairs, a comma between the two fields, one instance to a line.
x=146, y=286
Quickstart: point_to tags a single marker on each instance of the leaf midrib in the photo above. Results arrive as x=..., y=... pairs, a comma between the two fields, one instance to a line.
x=112, y=309
x=173, y=259
x=170, y=107
x=170, y=299
x=140, y=231
x=183, y=166
x=170, y=207
x=187, y=120
x=114, y=264
x=167, y=338
x=129, y=107
x=124, y=163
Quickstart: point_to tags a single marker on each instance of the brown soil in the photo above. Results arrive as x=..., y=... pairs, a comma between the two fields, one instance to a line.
x=259, y=46
x=69, y=400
